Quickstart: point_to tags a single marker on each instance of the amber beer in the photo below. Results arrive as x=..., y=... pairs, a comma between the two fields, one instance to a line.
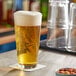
x=27, y=30
x=27, y=40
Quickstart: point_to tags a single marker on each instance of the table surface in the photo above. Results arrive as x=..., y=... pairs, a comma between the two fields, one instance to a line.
x=52, y=60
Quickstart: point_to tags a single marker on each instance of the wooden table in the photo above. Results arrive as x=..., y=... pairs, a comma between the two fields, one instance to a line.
x=52, y=60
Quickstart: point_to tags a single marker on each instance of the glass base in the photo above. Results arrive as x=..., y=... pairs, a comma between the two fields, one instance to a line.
x=71, y=48
x=27, y=66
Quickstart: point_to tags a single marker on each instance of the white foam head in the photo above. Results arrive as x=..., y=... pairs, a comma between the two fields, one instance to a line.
x=27, y=18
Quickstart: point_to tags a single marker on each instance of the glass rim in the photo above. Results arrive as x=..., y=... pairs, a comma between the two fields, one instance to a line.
x=73, y=5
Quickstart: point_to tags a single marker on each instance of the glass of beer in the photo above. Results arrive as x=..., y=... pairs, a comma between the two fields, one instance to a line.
x=27, y=30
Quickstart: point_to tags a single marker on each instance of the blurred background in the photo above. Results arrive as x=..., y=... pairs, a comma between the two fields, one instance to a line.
x=7, y=8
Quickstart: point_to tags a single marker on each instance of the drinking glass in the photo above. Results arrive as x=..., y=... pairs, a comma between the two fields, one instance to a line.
x=57, y=23
x=27, y=30
x=72, y=29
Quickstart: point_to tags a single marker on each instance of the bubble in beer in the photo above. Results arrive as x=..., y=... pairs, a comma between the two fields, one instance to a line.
x=27, y=18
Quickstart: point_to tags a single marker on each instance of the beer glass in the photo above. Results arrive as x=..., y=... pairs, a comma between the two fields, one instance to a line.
x=27, y=30
x=72, y=29
x=57, y=24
